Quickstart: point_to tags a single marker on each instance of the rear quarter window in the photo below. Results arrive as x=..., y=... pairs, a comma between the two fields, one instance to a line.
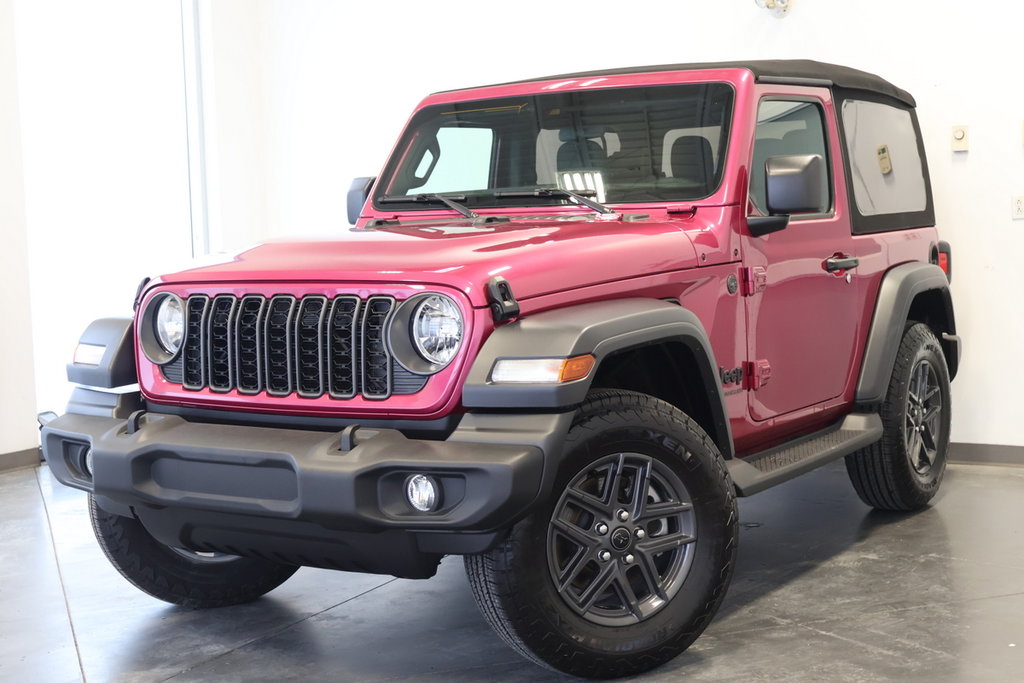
x=886, y=168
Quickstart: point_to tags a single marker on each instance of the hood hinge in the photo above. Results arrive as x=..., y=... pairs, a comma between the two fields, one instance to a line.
x=503, y=302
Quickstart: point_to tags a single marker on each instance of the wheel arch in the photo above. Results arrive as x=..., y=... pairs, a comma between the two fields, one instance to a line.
x=665, y=369
x=911, y=291
x=664, y=342
x=116, y=365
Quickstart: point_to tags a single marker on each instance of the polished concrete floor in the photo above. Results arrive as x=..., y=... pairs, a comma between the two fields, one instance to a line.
x=825, y=590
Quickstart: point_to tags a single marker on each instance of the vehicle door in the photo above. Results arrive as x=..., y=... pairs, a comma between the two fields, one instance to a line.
x=802, y=319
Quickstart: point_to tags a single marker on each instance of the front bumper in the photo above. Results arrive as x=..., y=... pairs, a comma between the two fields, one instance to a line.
x=308, y=497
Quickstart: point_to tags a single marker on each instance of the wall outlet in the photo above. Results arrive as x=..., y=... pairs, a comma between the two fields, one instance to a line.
x=1017, y=209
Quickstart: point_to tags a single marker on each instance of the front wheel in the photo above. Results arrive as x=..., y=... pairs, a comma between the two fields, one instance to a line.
x=180, y=576
x=629, y=561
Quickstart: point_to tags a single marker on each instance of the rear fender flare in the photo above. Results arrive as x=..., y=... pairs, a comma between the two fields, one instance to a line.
x=896, y=295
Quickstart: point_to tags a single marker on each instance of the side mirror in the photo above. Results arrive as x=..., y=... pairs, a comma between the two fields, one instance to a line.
x=358, y=193
x=793, y=184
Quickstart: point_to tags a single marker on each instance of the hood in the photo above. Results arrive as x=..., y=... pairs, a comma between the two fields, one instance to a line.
x=538, y=255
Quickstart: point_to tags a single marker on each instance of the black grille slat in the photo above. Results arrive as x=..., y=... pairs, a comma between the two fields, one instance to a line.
x=278, y=330
x=309, y=346
x=376, y=359
x=249, y=344
x=341, y=347
x=220, y=343
x=194, y=351
x=284, y=345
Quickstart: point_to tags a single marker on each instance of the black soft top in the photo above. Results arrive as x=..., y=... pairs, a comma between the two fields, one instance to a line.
x=789, y=71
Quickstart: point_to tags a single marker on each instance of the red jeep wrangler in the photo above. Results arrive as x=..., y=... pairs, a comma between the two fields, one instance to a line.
x=576, y=318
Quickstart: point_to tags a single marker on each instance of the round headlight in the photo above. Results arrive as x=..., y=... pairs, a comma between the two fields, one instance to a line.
x=170, y=324
x=437, y=329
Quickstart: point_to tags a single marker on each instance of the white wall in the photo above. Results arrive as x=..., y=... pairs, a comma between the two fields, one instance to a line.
x=101, y=95
x=317, y=91
x=17, y=401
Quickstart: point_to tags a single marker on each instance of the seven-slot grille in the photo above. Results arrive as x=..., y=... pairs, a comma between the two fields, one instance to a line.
x=309, y=346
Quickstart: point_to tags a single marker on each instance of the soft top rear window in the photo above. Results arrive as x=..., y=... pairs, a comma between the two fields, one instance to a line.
x=887, y=177
x=646, y=144
x=886, y=166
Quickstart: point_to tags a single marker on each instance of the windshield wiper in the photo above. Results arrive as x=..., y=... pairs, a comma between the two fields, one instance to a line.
x=451, y=202
x=578, y=197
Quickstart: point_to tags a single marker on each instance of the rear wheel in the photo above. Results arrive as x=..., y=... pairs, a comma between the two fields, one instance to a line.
x=178, y=575
x=628, y=563
x=904, y=469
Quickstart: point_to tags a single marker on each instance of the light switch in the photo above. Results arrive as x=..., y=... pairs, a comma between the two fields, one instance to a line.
x=961, y=139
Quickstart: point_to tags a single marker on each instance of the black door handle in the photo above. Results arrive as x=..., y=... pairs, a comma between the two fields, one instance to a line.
x=836, y=263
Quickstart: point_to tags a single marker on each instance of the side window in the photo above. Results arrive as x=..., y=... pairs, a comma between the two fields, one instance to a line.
x=459, y=161
x=786, y=127
x=885, y=162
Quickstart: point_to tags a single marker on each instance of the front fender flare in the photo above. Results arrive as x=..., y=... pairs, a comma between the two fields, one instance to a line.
x=600, y=328
x=116, y=367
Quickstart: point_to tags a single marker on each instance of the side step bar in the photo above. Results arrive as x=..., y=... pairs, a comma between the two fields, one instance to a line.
x=763, y=470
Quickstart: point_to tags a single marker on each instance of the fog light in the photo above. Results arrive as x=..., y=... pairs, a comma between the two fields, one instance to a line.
x=87, y=461
x=422, y=492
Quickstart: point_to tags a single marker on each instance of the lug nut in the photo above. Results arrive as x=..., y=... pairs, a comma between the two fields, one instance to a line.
x=640, y=533
x=604, y=556
x=622, y=515
x=628, y=559
x=601, y=528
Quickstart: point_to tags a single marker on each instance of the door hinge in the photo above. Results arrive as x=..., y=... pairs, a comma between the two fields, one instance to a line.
x=756, y=374
x=755, y=279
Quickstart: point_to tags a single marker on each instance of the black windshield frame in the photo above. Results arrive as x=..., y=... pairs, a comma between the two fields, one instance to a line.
x=630, y=136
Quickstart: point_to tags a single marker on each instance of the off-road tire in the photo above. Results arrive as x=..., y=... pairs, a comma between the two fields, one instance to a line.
x=514, y=585
x=887, y=475
x=172, y=575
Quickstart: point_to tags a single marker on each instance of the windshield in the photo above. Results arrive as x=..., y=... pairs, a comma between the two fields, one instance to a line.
x=647, y=144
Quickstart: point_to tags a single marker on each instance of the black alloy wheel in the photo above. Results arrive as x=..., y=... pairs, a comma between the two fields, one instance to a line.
x=621, y=539
x=923, y=425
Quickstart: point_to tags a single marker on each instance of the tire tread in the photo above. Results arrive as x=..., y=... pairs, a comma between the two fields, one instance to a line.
x=155, y=569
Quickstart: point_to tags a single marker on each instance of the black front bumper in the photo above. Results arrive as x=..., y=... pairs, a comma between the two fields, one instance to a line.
x=309, y=497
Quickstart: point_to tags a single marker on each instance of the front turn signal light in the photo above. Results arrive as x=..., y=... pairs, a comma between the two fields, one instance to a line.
x=542, y=370
x=576, y=368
